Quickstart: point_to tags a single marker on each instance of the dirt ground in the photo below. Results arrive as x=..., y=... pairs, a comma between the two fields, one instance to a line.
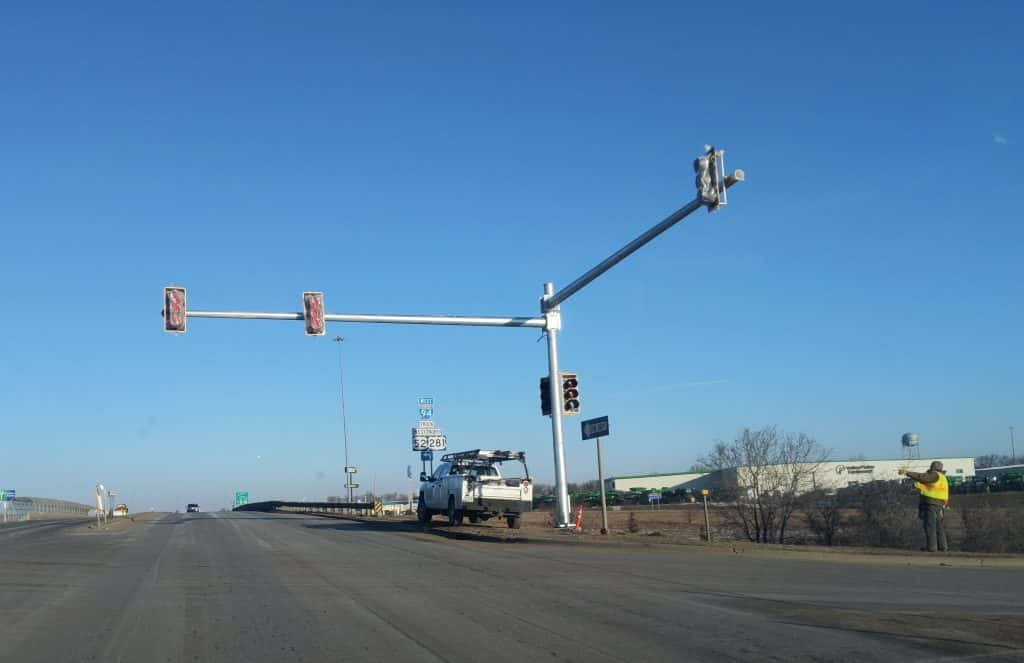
x=120, y=524
x=683, y=524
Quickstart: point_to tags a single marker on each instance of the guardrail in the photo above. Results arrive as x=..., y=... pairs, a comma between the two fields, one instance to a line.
x=308, y=507
x=25, y=508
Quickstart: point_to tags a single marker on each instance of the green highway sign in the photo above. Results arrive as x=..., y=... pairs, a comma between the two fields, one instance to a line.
x=241, y=498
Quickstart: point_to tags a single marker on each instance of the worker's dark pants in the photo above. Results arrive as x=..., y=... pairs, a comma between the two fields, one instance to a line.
x=934, y=531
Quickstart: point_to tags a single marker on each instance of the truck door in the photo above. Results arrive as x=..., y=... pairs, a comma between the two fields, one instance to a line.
x=438, y=498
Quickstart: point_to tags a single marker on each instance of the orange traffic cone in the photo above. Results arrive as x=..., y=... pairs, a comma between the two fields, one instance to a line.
x=579, y=518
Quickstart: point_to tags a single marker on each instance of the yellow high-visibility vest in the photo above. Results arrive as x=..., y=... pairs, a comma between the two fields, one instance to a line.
x=937, y=491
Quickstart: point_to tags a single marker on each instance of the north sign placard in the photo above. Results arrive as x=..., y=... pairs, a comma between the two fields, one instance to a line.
x=592, y=428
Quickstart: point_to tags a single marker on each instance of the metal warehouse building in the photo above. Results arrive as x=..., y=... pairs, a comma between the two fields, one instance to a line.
x=999, y=471
x=828, y=475
x=654, y=481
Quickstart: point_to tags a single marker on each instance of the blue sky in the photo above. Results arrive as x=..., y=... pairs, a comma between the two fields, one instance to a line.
x=449, y=158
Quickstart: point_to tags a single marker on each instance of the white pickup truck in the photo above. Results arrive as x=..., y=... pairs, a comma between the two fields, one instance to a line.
x=470, y=483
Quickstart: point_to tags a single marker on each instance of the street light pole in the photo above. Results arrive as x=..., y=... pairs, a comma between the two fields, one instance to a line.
x=1013, y=449
x=344, y=420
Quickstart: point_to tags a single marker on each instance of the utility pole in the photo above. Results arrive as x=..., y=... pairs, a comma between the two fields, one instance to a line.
x=711, y=192
x=344, y=419
x=1013, y=449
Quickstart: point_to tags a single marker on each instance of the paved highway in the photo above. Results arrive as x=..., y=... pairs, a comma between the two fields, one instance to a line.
x=264, y=587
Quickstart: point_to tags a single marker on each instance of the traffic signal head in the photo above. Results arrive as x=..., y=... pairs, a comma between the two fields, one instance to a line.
x=545, y=397
x=313, y=313
x=708, y=179
x=175, y=311
x=570, y=394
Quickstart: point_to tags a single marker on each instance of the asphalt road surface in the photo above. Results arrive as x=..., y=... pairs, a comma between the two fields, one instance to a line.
x=267, y=587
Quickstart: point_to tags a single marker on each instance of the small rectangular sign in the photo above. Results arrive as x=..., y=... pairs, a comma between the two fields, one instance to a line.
x=241, y=498
x=351, y=485
x=350, y=469
x=9, y=494
x=426, y=456
x=592, y=428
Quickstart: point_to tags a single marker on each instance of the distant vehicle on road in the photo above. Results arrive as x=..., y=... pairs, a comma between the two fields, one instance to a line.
x=470, y=483
x=192, y=508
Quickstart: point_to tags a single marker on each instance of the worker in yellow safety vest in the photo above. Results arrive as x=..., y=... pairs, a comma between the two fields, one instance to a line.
x=934, y=489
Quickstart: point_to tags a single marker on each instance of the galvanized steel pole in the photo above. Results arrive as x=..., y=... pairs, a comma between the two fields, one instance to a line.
x=344, y=419
x=600, y=479
x=463, y=320
x=553, y=320
x=623, y=253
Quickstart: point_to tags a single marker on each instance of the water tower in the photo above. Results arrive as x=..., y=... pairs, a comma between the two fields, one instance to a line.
x=910, y=448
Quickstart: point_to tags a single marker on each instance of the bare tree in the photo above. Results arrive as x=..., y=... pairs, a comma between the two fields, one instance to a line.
x=993, y=460
x=771, y=468
x=824, y=515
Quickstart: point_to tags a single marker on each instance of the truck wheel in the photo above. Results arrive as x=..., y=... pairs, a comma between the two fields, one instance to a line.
x=515, y=522
x=422, y=512
x=454, y=516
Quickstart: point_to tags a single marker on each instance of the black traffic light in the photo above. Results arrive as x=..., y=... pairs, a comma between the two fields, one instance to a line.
x=570, y=394
x=708, y=182
x=313, y=313
x=175, y=310
x=545, y=397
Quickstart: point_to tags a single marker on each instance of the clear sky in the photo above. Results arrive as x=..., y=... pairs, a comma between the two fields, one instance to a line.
x=450, y=158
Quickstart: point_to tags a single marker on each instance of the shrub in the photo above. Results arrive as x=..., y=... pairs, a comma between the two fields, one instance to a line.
x=888, y=514
x=992, y=529
x=825, y=517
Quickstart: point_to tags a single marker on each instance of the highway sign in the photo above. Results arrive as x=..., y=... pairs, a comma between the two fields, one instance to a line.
x=351, y=485
x=431, y=442
x=594, y=428
x=426, y=407
x=241, y=498
x=8, y=495
x=428, y=437
x=426, y=456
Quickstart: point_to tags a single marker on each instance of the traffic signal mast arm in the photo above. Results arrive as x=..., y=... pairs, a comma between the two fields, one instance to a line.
x=475, y=321
x=623, y=253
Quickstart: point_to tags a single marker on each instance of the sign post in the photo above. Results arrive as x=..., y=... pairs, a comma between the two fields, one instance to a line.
x=595, y=428
x=707, y=521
